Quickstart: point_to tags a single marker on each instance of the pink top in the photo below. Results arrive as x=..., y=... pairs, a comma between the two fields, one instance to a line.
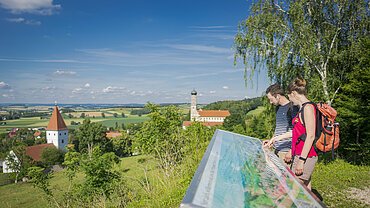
x=298, y=130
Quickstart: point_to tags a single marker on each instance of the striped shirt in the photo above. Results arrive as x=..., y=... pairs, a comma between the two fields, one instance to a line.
x=283, y=125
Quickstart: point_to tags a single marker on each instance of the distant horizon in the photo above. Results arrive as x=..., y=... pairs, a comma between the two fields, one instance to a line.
x=60, y=104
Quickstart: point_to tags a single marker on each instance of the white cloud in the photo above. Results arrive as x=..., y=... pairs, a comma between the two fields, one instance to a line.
x=41, y=7
x=104, y=52
x=87, y=85
x=210, y=27
x=212, y=91
x=17, y=20
x=5, y=95
x=4, y=85
x=111, y=89
x=108, y=89
x=76, y=90
x=48, y=88
x=201, y=48
x=61, y=73
x=225, y=87
x=24, y=21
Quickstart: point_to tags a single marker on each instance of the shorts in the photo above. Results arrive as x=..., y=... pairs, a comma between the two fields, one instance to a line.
x=308, y=167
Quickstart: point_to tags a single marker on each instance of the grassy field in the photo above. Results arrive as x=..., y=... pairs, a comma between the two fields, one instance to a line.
x=256, y=111
x=34, y=122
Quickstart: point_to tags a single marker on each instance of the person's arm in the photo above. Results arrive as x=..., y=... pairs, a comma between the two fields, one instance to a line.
x=310, y=123
x=286, y=135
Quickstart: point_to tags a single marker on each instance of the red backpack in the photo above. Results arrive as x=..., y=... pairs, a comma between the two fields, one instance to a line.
x=327, y=130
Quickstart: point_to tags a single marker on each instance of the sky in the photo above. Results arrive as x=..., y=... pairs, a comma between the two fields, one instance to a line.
x=122, y=51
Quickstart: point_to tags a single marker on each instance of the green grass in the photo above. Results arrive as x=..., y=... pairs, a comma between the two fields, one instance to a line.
x=25, y=195
x=334, y=181
x=112, y=121
x=256, y=111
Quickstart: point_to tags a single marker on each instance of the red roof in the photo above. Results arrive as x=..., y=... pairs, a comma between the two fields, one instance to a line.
x=188, y=123
x=37, y=133
x=214, y=113
x=113, y=134
x=56, y=122
x=35, y=151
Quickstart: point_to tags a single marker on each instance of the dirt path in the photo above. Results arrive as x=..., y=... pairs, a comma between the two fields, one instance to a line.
x=361, y=195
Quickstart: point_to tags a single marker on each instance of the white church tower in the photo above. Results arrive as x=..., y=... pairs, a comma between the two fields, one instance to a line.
x=57, y=131
x=193, y=108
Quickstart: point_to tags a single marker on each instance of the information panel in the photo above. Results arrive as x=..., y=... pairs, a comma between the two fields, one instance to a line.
x=237, y=172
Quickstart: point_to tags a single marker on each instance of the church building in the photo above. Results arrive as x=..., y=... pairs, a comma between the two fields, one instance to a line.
x=206, y=117
x=57, y=131
x=56, y=137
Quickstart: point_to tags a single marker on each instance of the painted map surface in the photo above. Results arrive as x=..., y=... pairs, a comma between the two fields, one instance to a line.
x=237, y=172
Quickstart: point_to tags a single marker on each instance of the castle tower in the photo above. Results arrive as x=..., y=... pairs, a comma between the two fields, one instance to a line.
x=193, y=106
x=57, y=131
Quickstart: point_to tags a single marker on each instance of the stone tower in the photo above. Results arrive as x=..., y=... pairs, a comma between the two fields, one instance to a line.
x=193, y=106
x=57, y=131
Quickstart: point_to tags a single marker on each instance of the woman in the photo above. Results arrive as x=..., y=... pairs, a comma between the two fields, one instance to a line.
x=303, y=133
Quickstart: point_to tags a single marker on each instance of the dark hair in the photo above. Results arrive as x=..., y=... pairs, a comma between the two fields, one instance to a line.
x=274, y=90
x=298, y=85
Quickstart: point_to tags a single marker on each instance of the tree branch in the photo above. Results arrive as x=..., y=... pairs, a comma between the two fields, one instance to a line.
x=331, y=47
x=280, y=9
x=336, y=91
x=317, y=68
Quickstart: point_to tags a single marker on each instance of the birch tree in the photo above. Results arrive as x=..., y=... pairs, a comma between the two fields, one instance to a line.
x=301, y=38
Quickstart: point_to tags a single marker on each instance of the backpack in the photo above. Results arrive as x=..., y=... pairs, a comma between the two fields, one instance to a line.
x=327, y=130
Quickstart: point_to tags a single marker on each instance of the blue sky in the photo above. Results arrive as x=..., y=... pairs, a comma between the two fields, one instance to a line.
x=127, y=51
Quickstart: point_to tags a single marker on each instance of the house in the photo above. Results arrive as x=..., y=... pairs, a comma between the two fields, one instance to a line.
x=37, y=134
x=13, y=133
x=35, y=151
x=206, y=117
x=113, y=134
x=6, y=168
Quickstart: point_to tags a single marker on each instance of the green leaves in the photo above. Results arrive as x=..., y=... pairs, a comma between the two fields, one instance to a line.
x=300, y=38
x=90, y=135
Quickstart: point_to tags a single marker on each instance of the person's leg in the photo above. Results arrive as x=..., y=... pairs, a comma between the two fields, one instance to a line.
x=308, y=168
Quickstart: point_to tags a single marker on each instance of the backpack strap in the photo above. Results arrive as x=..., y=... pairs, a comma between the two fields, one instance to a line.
x=301, y=111
x=291, y=113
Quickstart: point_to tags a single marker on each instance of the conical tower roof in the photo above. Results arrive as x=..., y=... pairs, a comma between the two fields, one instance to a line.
x=56, y=122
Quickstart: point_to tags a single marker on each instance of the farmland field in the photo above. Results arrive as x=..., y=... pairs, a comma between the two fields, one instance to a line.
x=108, y=121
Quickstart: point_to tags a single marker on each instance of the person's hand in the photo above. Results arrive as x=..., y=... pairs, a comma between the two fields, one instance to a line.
x=270, y=142
x=288, y=157
x=299, y=167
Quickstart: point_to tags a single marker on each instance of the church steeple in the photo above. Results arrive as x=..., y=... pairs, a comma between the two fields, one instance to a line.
x=56, y=122
x=193, y=106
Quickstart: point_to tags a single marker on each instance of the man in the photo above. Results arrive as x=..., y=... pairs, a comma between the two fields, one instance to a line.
x=282, y=139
